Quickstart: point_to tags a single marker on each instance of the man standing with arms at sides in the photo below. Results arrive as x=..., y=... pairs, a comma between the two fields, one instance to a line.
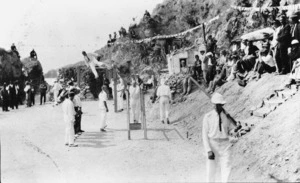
x=284, y=41
x=78, y=110
x=215, y=133
x=165, y=97
x=43, y=91
x=5, y=100
x=56, y=88
x=69, y=118
x=103, y=107
x=12, y=95
x=134, y=92
x=204, y=62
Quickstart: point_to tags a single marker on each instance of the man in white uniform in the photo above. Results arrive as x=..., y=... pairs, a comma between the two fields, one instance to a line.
x=56, y=88
x=216, y=128
x=69, y=118
x=91, y=61
x=165, y=97
x=120, y=92
x=103, y=107
x=134, y=92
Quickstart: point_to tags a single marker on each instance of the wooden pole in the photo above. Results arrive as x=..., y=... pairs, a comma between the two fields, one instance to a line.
x=203, y=90
x=115, y=89
x=128, y=114
x=143, y=113
x=78, y=76
x=204, y=34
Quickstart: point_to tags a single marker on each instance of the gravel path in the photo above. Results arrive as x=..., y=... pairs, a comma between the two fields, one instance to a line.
x=32, y=150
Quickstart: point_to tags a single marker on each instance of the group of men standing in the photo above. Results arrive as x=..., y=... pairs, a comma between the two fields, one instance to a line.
x=10, y=95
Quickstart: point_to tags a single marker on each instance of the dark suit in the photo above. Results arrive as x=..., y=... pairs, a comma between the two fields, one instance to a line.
x=295, y=31
x=284, y=41
x=13, y=97
x=5, y=99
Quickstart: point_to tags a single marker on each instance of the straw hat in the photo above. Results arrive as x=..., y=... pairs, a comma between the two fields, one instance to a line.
x=217, y=98
x=295, y=41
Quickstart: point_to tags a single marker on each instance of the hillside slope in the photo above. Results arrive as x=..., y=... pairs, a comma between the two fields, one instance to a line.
x=270, y=149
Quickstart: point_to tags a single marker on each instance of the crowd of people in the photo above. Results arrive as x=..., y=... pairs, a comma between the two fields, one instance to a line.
x=278, y=54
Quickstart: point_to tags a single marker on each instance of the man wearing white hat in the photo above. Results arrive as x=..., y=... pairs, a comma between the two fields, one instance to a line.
x=165, y=97
x=216, y=128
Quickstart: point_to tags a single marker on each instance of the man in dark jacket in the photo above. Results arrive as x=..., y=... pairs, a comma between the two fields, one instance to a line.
x=284, y=40
x=5, y=98
x=295, y=29
x=12, y=95
x=43, y=91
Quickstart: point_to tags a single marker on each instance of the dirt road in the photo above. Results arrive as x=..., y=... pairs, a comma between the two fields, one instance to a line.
x=32, y=150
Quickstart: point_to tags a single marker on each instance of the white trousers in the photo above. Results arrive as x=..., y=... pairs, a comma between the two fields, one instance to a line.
x=120, y=101
x=55, y=93
x=164, y=103
x=221, y=149
x=135, y=108
x=69, y=133
x=103, y=117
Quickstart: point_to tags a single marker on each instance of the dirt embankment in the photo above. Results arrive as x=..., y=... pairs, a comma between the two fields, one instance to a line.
x=270, y=152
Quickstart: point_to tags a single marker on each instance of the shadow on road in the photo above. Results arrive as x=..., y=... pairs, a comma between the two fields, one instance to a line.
x=95, y=139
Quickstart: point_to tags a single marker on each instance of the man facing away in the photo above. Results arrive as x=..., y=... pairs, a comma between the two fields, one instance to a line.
x=216, y=128
x=165, y=97
x=69, y=119
x=103, y=107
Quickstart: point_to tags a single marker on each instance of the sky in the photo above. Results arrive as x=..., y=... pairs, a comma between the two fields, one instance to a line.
x=59, y=30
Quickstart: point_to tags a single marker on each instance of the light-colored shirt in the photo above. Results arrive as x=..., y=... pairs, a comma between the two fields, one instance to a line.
x=211, y=129
x=134, y=92
x=68, y=110
x=27, y=87
x=275, y=35
x=77, y=101
x=102, y=98
x=57, y=87
x=268, y=60
x=163, y=91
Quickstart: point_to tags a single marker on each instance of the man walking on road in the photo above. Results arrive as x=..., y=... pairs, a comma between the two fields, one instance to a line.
x=165, y=97
x=103, y=107
x=69, y=118
x=216, y=128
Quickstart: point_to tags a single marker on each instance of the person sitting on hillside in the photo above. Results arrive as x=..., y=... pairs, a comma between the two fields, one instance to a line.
x=295, y=29
x=33, y=54
x=295, y=51
x=265, y=62
x=197, y=68
x=109, y=42
x=91, y=61
x=122, y=32
x=186, y=82
x=14, y=49
x=219, y=79
x=147, y=15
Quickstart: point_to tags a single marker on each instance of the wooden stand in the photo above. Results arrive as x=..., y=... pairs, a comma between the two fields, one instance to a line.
x=143, y=113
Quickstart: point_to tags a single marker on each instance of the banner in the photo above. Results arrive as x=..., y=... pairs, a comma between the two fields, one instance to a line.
x=292, y=8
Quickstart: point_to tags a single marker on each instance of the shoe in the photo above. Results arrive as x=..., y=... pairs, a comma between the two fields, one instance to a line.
x=163, y=122
x=76, y=135
x=66, y=144
x=102, y=130
x=81, y=131
x=73, y=145
x=168, y=122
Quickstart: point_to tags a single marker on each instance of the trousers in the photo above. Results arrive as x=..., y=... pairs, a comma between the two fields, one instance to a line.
x=42, y=97
x=164, y=103
x=69, y=133
x=103, y=117
x=120, y=101
x=55, y=93
x=221, y=149
x=135, y=109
